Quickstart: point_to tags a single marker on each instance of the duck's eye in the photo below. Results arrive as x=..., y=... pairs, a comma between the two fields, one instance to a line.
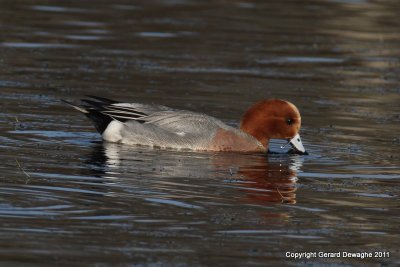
x=289, y=121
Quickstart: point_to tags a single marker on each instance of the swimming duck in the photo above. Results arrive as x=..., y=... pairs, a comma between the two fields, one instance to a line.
x=161, y=126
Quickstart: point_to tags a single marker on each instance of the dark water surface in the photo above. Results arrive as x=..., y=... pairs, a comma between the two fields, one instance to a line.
x=66, y=198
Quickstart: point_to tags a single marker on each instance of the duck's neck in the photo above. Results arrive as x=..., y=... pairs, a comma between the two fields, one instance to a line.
x=255, y=122
x=256, y=133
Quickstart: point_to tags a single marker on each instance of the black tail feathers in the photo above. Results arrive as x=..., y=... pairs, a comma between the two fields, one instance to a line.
x=93, y=110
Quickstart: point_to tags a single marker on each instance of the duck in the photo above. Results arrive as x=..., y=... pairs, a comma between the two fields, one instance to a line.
x=164, y=127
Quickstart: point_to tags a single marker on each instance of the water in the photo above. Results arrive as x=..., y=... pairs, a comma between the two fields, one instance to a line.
x=66, y=198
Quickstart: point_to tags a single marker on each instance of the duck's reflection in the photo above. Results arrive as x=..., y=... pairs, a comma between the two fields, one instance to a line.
x=264, y=178
x=272, y=181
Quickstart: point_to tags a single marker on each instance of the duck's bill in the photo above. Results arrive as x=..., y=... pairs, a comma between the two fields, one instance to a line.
x=297, y=145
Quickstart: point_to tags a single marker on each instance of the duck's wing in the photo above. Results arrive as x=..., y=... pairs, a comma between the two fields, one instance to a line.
x=181, y=122
x=174, y=121
x=122, y=111
x=102, y=111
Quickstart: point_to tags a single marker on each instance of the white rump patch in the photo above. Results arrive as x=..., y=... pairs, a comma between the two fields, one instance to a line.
x=113, y=132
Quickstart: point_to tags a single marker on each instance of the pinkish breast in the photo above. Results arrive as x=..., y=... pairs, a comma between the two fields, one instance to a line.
x=225, y=140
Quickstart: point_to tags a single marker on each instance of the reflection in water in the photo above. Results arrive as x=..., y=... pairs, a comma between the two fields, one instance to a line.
x=263, y=178
x=273, y=181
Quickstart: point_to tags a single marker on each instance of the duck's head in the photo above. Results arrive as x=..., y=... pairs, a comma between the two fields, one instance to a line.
x=273, y=119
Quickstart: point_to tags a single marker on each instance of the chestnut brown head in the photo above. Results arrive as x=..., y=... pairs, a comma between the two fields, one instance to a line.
x=273, y=119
